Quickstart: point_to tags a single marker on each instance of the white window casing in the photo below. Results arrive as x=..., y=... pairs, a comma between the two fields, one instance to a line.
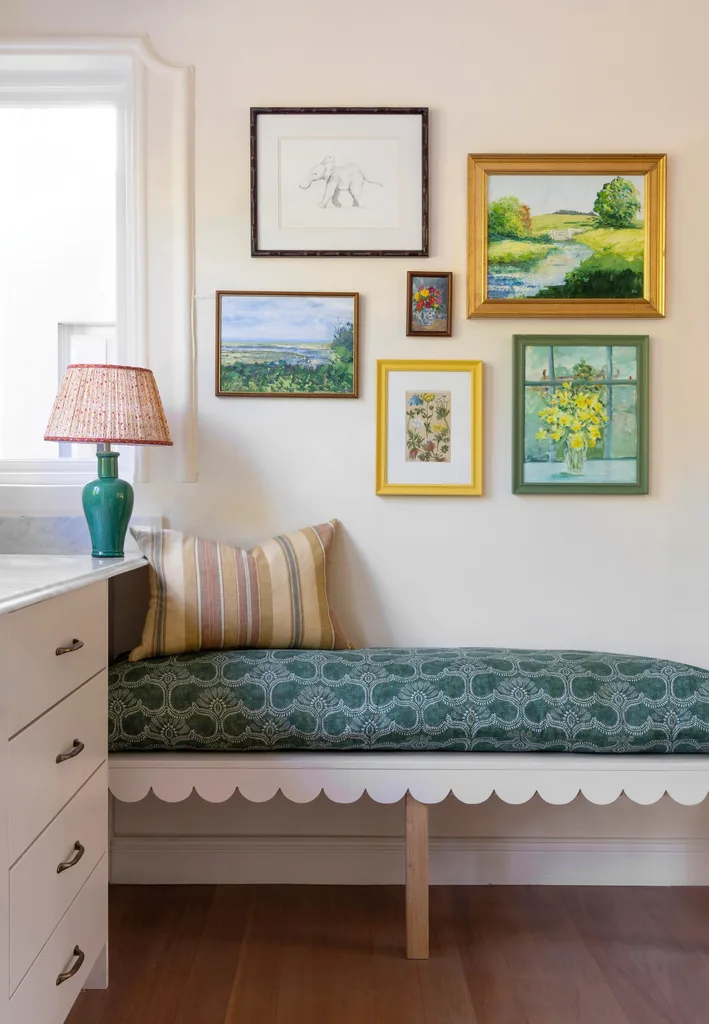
x=155, y=258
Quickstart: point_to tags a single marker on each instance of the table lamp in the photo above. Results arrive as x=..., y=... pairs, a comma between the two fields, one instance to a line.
x=105, y=405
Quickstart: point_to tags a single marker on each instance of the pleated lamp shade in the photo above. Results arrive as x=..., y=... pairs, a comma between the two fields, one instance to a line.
x=100, y=404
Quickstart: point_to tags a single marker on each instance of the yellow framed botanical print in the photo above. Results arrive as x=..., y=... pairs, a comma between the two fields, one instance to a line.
x=566, y=236
x=429, y=426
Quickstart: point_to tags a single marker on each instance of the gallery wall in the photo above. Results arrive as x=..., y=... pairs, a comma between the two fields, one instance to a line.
x=624, y=574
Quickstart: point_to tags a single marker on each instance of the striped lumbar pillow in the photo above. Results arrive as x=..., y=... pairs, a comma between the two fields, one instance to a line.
x=207, y=596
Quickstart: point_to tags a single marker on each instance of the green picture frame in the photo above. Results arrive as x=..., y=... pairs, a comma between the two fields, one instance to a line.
x=580, y=414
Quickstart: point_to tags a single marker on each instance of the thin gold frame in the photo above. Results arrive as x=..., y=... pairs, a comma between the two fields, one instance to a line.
x=287, y=394
x=652, y=167
x=472, y=366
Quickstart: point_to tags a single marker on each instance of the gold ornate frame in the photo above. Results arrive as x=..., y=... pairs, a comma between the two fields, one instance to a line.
x=654, y=170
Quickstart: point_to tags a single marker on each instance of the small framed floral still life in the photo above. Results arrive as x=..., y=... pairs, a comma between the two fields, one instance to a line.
x=428, y=303
x=581, y=414
x=429, y=427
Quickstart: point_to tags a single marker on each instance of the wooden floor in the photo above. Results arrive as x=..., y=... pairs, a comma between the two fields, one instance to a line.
x=335, y=955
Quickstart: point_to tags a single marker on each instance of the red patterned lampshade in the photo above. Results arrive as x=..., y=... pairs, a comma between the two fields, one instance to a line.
x=100, y=404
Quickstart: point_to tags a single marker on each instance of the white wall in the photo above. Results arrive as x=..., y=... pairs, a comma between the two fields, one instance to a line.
x=561, y=76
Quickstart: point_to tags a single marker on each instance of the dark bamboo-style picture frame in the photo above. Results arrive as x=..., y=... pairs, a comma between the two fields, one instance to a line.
x=581, y=414
x=333, y=188
x=270, y=357
x=429, y=303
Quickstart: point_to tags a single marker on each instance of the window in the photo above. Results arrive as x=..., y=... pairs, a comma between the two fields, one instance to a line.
x=63, y=211
x=57, y=256
x=96, y=247
x=85, y=343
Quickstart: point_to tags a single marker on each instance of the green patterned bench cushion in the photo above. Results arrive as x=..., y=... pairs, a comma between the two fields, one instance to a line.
x=479, y=699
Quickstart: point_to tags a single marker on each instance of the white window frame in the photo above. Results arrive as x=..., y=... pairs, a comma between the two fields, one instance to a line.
x=64, y=87
x=65, y=332
x=155, y=238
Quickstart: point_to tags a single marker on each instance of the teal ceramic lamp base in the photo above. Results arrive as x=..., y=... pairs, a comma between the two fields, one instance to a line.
x=108, y=504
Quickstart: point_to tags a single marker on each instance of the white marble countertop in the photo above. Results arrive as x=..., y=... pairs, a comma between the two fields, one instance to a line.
x=29, y=579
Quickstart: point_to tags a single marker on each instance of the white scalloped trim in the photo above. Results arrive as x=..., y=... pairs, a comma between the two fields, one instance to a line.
x=472, y=778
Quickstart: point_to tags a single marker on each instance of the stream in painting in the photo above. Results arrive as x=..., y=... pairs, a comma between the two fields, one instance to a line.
x=519, y=282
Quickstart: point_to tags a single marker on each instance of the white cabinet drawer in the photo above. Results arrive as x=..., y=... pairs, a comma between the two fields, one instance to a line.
x=35, y=676
x=40, y=786
x=38, y=999
x=39, y=894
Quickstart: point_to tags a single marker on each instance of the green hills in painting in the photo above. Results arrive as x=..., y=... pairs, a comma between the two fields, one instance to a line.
x=601, y=252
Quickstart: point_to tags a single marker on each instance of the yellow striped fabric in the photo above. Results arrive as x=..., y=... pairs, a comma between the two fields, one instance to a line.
x=209, y=596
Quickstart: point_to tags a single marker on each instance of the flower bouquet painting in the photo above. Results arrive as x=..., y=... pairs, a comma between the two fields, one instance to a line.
x=581, y=414
x=429, y=304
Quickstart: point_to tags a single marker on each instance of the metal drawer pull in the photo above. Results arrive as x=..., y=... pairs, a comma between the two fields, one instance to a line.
x=66, y=864
x=75, y=645
x=65, y=975
x=76, y=749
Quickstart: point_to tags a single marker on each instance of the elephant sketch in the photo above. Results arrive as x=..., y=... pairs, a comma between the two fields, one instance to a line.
x=339, y=178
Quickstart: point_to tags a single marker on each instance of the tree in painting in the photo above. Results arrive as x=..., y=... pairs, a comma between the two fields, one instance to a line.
x=617, y=204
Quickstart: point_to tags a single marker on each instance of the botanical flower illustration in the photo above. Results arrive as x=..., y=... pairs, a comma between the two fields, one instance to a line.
x=428, y=426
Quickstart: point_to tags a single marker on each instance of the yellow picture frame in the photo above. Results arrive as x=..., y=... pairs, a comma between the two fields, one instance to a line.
x=652, y=168
x=473, y=367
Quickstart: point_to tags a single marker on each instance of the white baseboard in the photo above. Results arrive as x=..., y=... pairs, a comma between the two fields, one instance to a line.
x=328, y=860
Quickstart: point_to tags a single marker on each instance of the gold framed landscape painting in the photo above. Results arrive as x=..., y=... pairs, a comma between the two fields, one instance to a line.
x=429, y=426
x=566, y=236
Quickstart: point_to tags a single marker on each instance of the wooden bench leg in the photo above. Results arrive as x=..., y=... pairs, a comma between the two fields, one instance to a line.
x=416, y=879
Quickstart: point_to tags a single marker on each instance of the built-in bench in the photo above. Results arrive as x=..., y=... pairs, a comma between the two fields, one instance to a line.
x=413, y=723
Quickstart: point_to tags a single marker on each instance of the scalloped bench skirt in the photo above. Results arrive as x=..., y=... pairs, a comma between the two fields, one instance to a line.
x=420, y=778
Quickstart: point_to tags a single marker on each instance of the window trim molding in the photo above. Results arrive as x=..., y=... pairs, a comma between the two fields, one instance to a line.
x=156, y=322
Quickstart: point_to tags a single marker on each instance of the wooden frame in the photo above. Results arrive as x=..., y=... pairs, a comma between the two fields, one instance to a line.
x=652, y=167
x=472, y=367
x=220, y=393
x=422, y=332
x=641, y=345
x=256, y=112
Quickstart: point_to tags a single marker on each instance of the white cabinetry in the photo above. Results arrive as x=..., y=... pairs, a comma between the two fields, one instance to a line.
x=53, y=803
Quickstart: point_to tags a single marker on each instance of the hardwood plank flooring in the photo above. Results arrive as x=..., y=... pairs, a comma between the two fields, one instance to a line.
x=335, y=955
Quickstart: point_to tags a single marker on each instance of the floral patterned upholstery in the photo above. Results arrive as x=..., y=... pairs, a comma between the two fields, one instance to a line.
x=469, y=699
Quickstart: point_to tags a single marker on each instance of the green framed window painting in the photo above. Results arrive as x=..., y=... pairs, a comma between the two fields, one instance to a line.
x=581, y=414
x=287, y=344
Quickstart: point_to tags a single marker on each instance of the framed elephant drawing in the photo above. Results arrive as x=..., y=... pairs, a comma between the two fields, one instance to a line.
x=330, y=181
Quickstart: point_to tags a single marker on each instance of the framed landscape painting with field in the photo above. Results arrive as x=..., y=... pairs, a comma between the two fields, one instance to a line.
x=287, y=344
x=581, y=414
x=573, y=236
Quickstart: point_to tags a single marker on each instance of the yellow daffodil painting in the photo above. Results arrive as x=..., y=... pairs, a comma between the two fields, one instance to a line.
x=428, y=426
x=581, y=415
